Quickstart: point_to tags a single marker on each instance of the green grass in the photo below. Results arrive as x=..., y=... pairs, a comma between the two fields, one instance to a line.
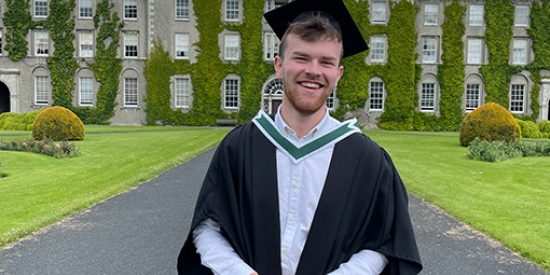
x=508, y=200
x=41, y=190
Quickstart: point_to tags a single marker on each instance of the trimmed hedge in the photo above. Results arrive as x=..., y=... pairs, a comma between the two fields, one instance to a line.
x=57, y=123
x=529, y=129
x=489, y=122
x=15, y=121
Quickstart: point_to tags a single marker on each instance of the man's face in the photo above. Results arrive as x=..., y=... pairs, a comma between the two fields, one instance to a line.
x=309, y=71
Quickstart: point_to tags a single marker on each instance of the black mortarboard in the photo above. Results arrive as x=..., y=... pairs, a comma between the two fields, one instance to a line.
x=279, y=19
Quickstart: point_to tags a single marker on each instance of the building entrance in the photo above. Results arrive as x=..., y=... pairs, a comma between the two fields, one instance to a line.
x=272, y=96
x=5, y=105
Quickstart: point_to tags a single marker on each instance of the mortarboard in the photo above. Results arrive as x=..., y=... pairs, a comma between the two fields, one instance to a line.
x=280, y=18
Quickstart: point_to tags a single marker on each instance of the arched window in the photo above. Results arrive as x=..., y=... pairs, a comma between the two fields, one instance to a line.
x=231, y=93
x=518, y=95
x=130, y=86
x=42, y=86
x=86, y=88
x=473, y=92
x=377, y=93
x=428, y=93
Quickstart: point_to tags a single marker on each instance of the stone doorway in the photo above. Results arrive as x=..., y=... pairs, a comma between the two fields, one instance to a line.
x=5, y=105
x=272, y=96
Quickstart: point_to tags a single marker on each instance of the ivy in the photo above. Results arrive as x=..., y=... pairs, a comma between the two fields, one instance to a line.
x=18, y=21
x=61, y=63
x=106, y=65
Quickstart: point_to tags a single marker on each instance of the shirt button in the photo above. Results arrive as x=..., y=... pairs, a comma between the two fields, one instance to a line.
x=295, y=184
x=292, y=217
x=284, y=250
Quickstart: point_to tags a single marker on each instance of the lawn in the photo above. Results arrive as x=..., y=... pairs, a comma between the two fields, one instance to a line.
x=508, y=200
x=41, y=190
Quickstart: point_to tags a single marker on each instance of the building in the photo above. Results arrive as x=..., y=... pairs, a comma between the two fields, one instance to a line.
x=26, y=84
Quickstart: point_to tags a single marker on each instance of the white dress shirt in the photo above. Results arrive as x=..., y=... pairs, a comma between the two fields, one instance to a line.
x=299, y=188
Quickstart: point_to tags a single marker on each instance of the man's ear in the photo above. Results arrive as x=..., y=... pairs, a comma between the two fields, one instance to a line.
x=278, y=64
x=340, y=73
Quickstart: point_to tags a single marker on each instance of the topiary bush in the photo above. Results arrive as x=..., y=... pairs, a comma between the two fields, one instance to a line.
x=529, y=129
x=489, y=122
x=57, y=123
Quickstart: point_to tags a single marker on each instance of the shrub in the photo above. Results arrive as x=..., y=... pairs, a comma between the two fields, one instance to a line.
x=56, y=149
x=529, y=129
x=492, y=151
x=489, y=122
x=57, y=123
x=544, y=128
x=15, y=121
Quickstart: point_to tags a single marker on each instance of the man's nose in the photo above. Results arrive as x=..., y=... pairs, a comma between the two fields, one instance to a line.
x=313, y=69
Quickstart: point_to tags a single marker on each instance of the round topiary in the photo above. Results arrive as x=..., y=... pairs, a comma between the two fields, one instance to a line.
x=489, y=122
x=57, y=123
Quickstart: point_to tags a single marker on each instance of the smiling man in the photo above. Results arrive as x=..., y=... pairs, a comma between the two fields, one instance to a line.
x=302, y=193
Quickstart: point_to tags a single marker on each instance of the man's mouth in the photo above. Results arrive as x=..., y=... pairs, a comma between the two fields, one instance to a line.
x=310, y=85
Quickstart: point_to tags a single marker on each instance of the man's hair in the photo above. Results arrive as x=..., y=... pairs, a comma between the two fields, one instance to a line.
x=312, y=27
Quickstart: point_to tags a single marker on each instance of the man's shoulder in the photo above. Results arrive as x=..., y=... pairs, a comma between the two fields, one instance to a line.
x=239, y=133
x=361, y=143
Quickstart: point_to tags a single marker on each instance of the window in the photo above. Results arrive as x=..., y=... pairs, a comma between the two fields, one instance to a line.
x=429, y=50
x=431, y=14
x=41, y=43
x=130, y=92
x=86, y=91
x=40, y=8
x=475, y=17
x=231, y=88
x=272, y=4
x=517, y=98
x=130, y=9
x=86, y=44
x=378, y=49
x=182, y=92
x=521, y=18
x=85, y=8
x=330, y=100
x=1, y=48
x=232, y=10
x=427, y=97
x=474, y=51
x=376, y=96
x=41, y=90
x=473, y=96
x=231, y=47
x=182, y=46
x=378, y=13
x=131, y=45
x=271, y=45
x=519, y=52
x=182, y=9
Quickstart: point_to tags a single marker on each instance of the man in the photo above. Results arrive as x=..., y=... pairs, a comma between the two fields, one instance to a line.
x=302, y=193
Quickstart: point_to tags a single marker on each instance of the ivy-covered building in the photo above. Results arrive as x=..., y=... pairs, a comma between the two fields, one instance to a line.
x=201, y=62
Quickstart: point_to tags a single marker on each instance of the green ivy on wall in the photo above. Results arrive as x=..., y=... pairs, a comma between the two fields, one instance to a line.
x=18, y=21
x=106, y=65
x=61, y=62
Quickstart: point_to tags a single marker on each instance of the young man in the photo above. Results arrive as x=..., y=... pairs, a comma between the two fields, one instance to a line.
x=302, y=193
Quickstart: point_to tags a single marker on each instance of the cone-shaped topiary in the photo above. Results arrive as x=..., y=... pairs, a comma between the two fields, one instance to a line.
x=489, y=122
x=57, y=123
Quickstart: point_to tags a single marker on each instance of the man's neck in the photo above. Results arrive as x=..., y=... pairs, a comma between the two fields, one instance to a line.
x=301, y=124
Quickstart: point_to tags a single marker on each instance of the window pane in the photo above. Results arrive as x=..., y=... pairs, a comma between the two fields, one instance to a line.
x=40, y=8
x=41, y=43
x=182, y=92
x=378, y=14
x=472, y=96
x=521, y=16
x=86, y=45
x=86, y=91
x=271, y=46
x=519, y=52
x=376, y=92
x=182, y=46
x=427, y=97
x=231, y=93
x=130, y=92
x=231, y=47
x=232, y=10
x=1, y=42
x=330, y=100
x=431, y=13
x=517, y=98
x=85, y=8
x=130, y=9
x=182, y=9
x=429, y=50
x=476, y=15
x=378, y=49
x=474, y=51
x=42, y=91
x=130, y=45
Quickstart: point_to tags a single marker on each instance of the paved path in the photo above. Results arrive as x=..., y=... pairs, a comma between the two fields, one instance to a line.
x=141, y=232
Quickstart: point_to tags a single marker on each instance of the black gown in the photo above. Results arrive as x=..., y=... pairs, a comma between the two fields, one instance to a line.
x=363, y=205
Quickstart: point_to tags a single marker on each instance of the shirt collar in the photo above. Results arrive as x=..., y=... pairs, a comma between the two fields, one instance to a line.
x=320, y=129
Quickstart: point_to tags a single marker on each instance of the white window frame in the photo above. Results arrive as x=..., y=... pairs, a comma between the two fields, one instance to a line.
x=85, y=9
x=182, y=9
x=232, y=14
x=431, y=14
x=271, y=46
x=181, y=47
x=378, y=49
x=129, y=100
x=376, y=99
x=127, y=39
x=41, y=43
x=41, y=90
x=428, y=97
x=182, y=92
x=331, y=100
x=231, y=97
x=379, y=12
x=430, y=50
x=520, y=54
x=231, y=47
x=475, y=15
x=36, y=9
x=521, y=16
x=472, y=101
x=86, y=91
x=517, y=101
x=129, y=7
x=475, y=51
x=271, y=5
x=86, y=44
x=1, y=43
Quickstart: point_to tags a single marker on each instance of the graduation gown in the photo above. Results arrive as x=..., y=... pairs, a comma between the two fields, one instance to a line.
x=363, y=205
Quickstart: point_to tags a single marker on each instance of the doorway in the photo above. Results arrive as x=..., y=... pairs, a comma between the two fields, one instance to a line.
x=5, y=105
x=272, y=96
